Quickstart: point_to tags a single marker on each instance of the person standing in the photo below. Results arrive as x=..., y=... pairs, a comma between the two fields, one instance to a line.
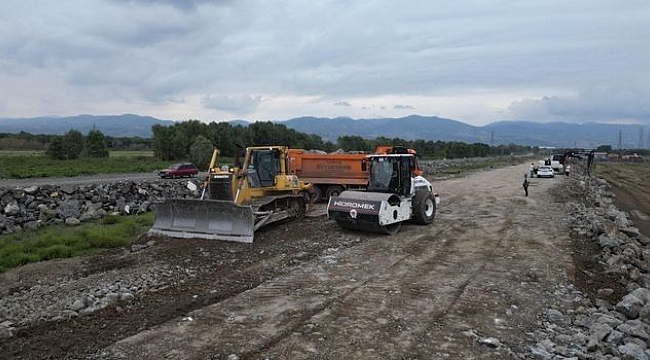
x=532, y=170
x=525, y=184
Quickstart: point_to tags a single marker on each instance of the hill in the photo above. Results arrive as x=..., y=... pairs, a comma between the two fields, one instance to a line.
x=408, y=128
x=413, y=127
x=126, y=125
x=555, y=134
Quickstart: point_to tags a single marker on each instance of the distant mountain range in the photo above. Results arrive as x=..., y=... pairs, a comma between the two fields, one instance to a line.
x=127, y=125
x=414, y=127
x=555, y=134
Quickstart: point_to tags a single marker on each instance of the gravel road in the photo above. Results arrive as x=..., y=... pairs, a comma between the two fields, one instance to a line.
x=471, y=285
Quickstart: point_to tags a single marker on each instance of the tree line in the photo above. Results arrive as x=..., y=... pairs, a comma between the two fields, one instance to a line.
x=193, y=140
x=27, y=141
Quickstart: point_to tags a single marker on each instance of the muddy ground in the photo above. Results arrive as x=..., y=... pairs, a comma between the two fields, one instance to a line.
x=629, y=181
x=471, y=285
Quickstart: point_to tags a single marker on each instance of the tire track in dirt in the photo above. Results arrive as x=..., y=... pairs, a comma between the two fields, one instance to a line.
x=373, y=288
x=520, y=262
x=281, y=303
x=273, y=292
x=481, y=268
x=400, y=304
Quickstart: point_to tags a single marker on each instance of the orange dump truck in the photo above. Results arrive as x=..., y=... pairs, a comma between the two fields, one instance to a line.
x=332, y=173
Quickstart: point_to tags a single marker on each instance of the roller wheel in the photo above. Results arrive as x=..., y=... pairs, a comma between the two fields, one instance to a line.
x=376, y=228
x=424, y=208
x=334, y=190
x=392, y=229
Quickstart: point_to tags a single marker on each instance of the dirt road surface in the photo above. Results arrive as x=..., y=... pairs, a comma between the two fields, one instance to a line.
x=469, y=286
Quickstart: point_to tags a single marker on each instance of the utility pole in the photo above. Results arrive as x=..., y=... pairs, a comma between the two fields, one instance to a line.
x=620, y=143
x=492, y=138
x=641, y=137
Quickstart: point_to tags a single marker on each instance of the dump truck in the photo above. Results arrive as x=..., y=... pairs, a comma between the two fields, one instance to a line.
x=237, y=201
x=332, y=173
x=395, y=194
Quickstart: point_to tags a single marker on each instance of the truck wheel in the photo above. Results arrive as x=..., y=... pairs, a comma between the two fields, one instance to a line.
x=424, y=208
x=333, y=190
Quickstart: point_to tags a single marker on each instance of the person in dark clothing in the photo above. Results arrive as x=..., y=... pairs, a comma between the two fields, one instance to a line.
x=525, y=184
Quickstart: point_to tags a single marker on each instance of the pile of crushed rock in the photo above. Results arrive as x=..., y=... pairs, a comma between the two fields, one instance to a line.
x=579, y=326
x=29, y=208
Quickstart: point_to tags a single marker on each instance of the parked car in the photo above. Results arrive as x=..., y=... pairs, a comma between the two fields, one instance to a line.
x=179, y=170
x=545, y=171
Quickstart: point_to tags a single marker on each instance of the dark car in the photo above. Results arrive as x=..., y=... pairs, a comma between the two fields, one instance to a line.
x=179, y=170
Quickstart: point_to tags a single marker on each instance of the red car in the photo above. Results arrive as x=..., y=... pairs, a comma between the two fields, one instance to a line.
x=179, y=170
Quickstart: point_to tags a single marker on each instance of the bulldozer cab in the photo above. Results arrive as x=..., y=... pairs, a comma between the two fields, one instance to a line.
x=263, y=165
x=390, y=174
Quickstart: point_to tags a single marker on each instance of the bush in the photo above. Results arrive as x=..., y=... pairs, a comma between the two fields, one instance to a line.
x=55, y=251
x=19, y=259
x=96, y=145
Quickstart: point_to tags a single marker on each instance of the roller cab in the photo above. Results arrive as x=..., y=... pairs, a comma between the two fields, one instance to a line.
x=395, y=193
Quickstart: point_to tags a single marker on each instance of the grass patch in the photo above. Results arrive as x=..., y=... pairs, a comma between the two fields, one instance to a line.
x=18, y=165
x=60, y=241
x=630, y=176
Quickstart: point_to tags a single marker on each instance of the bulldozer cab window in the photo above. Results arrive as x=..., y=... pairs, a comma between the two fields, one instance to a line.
x=266, y=164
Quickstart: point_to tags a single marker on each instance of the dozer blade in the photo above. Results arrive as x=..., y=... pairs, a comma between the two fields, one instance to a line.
x=204, y=219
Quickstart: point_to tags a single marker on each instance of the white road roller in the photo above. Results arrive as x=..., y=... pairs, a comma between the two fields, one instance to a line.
x=395, y=193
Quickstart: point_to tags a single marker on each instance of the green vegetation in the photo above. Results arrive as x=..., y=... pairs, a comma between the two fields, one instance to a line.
x=630, y=176
x=61, y=242
x=175, y=142
x=131, y=154
x=193, y=140
x=15, y=164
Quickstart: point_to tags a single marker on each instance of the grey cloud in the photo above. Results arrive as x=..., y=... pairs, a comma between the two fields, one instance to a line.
x=236, y=103
x=185, y=5
x=167, y=50
x=594, y=104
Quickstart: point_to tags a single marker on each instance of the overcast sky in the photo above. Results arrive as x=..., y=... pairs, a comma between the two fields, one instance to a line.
x=473, y=61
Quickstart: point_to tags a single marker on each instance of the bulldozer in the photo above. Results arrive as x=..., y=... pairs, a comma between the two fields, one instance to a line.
x=396, y=193
x=237, y=201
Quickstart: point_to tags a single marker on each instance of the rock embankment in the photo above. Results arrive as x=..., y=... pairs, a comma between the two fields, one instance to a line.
x=29, y=208
x=602, y=325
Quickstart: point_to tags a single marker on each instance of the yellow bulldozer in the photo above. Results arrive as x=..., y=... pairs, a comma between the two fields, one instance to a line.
x=237, y=201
